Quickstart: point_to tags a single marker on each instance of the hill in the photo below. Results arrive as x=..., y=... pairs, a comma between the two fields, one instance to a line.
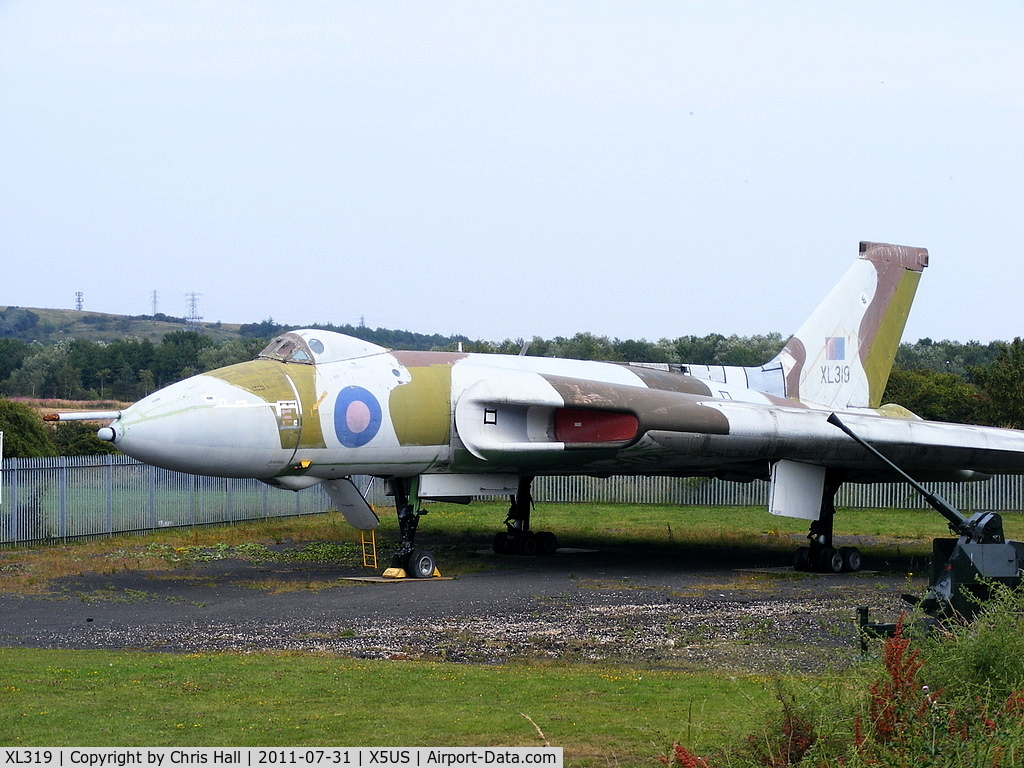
x=48, y=326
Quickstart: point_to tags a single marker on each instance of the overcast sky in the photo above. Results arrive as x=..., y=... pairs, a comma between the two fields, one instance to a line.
x=511, y=169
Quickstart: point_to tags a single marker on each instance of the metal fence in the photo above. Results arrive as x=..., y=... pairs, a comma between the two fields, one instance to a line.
x=1003, y=493
x=69, y=497
x=66, y=497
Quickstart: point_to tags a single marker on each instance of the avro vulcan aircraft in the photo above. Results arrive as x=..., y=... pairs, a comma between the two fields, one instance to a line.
x=319, y=407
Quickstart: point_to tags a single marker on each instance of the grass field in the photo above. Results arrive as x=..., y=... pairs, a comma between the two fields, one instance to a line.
x=601, y=715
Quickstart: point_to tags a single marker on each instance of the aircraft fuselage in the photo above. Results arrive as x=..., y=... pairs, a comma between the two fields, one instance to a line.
x=347, y=407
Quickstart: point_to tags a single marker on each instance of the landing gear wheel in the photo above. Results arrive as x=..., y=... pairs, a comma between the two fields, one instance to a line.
x=526, y=543
x=802, y=559
x=421, y=564
x=821, y=556
x=500, y=545
x=547, y=543
x=829, y=561
x=416, y=563
x=851, y=559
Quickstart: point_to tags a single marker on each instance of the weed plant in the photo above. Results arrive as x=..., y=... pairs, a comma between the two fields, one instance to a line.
x=951, y=698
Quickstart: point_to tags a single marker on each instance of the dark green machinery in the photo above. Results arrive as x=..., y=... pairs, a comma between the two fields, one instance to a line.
x=962, y=568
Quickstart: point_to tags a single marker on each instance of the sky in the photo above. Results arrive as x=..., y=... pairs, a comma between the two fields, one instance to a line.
x=500, y=170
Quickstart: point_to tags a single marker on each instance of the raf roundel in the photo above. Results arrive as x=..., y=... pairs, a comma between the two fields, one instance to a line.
x=357, y=417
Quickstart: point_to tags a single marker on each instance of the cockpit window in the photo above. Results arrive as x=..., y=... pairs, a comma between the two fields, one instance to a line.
x=310, y=346
x=288, y=348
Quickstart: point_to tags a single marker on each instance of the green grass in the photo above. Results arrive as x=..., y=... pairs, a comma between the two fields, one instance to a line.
x=95, y=698
x=662, y=523
x=898, y=540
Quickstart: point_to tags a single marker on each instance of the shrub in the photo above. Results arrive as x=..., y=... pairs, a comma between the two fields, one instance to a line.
x=25, y=436
x=952, y=698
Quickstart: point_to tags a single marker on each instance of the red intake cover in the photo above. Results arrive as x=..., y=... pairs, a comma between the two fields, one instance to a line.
x=579, y=425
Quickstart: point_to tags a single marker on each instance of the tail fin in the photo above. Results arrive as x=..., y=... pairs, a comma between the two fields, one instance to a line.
x=842, y=355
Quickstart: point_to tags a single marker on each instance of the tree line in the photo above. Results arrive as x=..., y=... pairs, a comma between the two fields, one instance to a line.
x=127, y=369
x=971, y=383
x=131, y=368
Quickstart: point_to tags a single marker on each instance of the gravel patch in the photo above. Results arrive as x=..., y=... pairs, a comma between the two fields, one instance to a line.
x=618, y=608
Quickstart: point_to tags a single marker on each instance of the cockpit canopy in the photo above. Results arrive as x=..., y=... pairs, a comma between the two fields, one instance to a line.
x=309, y=347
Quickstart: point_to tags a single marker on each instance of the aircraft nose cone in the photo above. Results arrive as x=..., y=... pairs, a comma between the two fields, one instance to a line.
x=203, y=425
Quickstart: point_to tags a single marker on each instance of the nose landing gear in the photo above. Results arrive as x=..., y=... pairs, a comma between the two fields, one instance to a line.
x=409, y=561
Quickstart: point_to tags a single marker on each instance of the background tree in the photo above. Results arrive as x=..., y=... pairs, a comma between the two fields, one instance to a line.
x=25, y=435
x=76, y=438
x=229, y=353
x=15, y=320
x=147, y=385
x=941, y=380
x=946, y=356
x=177, y=356
x=643, y=351
x=268, y=329
x=1002, y=386
x=44, y=373
x=126, y=358
x=936, y=396
x=12, y=354
x=699, y=350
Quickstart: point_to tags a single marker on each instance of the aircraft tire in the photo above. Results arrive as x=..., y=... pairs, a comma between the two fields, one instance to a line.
x=500, y=545
x=802, y=559
x=421, y=564
x=830, y=561
x=851, y=559
x=512, y=544
x=527, y=544
x=547, y=543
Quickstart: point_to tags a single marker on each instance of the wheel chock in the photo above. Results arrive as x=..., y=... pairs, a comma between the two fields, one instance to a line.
x=399, y=573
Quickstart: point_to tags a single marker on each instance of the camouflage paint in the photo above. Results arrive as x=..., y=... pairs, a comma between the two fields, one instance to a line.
x=655, y=408
x=842, y=355
x=671, y=382
x=798, y=355
x=882, y=326
x=421, y=410
x=269, y=380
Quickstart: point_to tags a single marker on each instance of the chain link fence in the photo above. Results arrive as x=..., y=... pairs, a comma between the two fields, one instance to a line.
x=72, y=497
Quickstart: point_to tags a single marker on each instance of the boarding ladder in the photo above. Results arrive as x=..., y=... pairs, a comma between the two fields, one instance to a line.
x=369, y=543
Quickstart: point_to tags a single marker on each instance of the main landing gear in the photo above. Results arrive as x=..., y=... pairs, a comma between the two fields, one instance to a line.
x=820, y=555
x=408, y=560
x=517, y=538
